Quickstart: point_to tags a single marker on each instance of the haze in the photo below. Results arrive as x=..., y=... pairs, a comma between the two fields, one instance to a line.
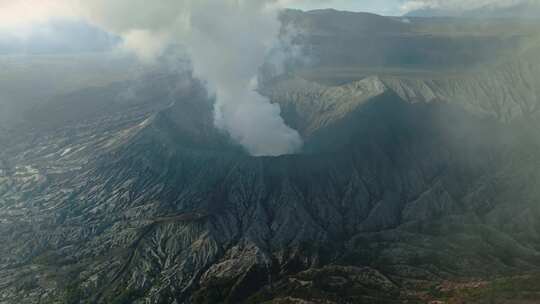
x=269, y=151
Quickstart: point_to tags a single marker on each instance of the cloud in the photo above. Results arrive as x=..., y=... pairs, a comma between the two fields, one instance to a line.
x=227, y=49
x=20, y=13
x=227, y=41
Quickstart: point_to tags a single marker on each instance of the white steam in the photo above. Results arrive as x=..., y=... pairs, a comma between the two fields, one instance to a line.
x=227, y=49
x=227, y=41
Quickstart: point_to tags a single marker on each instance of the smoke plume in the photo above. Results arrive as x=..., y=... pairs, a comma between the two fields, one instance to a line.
x=227, y=41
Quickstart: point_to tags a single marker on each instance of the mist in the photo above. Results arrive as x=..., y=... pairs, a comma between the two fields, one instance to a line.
x=226, y=51
x=131, y=130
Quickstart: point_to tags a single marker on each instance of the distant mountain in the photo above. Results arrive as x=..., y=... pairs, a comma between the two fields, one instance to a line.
x=414, y=186
x=521, y=9
x=346, y=23
x=332, y=39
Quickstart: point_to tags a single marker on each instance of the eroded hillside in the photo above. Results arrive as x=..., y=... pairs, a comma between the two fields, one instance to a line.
x=405, y=184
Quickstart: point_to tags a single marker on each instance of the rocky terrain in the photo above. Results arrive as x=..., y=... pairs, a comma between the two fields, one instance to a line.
x=408, y=189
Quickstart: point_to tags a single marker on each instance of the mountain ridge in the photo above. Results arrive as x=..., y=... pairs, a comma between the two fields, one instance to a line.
x=404, y=184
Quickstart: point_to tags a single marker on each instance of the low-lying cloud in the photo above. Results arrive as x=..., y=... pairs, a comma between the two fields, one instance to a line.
x=227, y=41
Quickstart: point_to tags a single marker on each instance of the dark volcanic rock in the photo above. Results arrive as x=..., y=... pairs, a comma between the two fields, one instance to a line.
x=402, y=183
